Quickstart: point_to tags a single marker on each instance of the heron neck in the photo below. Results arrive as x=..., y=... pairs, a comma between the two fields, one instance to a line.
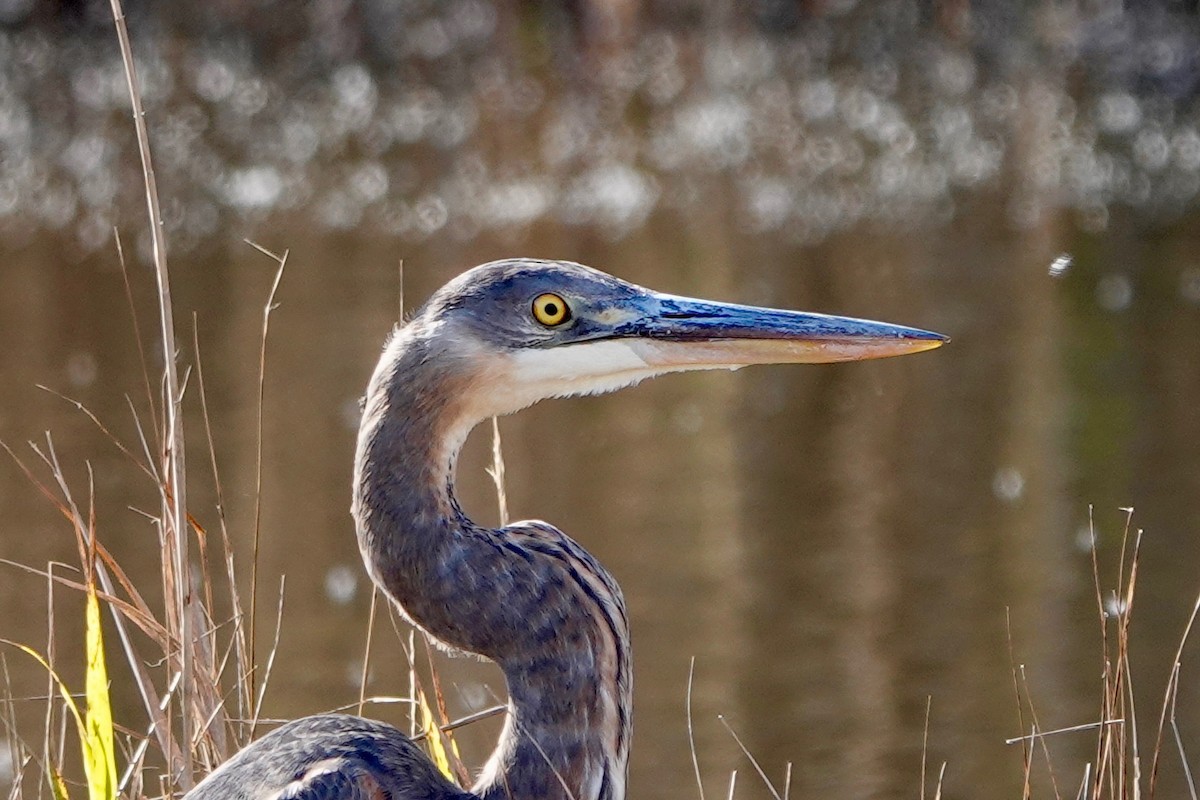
x=525, y=596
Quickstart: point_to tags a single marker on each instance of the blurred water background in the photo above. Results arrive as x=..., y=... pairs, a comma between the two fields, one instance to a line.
x=834, y=545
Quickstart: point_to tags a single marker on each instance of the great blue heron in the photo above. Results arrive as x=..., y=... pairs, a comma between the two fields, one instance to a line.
x=494, y=340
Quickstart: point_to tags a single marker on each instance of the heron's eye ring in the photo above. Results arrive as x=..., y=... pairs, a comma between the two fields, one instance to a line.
x=551, y=310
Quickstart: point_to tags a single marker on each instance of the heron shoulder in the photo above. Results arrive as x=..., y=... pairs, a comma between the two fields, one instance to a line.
x=329, y=756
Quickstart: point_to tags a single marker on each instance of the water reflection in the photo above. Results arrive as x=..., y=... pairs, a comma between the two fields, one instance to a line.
x=833, y=545
x=417, y=119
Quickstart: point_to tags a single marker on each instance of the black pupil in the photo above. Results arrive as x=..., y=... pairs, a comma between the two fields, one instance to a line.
x=551, y=309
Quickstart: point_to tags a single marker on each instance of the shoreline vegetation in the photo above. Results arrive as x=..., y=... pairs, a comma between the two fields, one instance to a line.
x=202, y=681
x=194, y=663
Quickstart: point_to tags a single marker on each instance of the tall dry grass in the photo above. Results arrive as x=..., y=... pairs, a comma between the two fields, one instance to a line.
x=1126, y=765
x=192, y=659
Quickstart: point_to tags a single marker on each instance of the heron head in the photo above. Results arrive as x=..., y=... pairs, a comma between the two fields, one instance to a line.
x=523, y=330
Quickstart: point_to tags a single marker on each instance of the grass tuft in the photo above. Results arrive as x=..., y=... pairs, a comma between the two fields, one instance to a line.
x=1116, y=771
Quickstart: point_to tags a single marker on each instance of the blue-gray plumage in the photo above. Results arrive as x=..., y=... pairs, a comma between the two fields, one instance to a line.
x=492, y=341
x=330, y=757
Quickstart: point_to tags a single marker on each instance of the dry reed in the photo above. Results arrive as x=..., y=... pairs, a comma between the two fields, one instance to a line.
x=202, y=703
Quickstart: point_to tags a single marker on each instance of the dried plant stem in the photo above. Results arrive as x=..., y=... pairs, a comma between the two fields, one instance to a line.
x=925, y=742
x=262, y=687
x=175, y=510
x=753, y=761
x=497, y=472
x=691, y=731
x=366, y=666
x=1168, y=708
x=137, y=331
x=262, y=375
x=87, y=531
x=1036, y=729
x=1026, y=754
x=461, y=722
x=245, y=700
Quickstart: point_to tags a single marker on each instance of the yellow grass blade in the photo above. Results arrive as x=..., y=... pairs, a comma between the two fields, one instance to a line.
x=62, y=687
x=433, y=735
x=57, y=787
x=96, y=730
x=99, y=757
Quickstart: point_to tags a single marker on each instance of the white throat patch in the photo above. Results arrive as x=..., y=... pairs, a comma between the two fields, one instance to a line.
x=577, y=369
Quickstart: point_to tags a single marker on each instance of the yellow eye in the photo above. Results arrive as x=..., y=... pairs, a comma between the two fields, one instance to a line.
x=550, y=310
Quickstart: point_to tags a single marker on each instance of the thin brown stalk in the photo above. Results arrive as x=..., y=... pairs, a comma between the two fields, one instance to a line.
x=119, y=609
x=925, y=742
x=20, y=752
x=691, y=731
x=262, y=687
x=50, y=457
x=1087, y=726
x=1123, y=607
x=1123, y=689
x=115, y=602
x=1130, y=712
x=1026, y=754
x=207, y=700
x=1083, y=787
x=139, y=754
x=1183, y=759
x=103, y=429
x=225, y=657
x=1172, y=689
x=174, y=512
x=137, y=331
x=362, y=683
x=8, y=719
x=47, y=738
x=205, y=575
x=258, y=471
x=90, y=566
x=462, y=722
x=150, y=463
x=135, y=609
x=1104, y=740
x=39, y=485
x=244, y=698
x=1037, y=726
x=753, y=761
x=206, y=724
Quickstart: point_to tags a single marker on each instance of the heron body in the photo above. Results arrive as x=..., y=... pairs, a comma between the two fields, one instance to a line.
x=330, y=757
x=492, y=341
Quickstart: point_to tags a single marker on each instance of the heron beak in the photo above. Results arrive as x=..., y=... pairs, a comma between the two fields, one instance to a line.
x=683, y=334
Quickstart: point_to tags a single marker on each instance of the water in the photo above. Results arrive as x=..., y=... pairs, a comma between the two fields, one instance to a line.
x=836, y=546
